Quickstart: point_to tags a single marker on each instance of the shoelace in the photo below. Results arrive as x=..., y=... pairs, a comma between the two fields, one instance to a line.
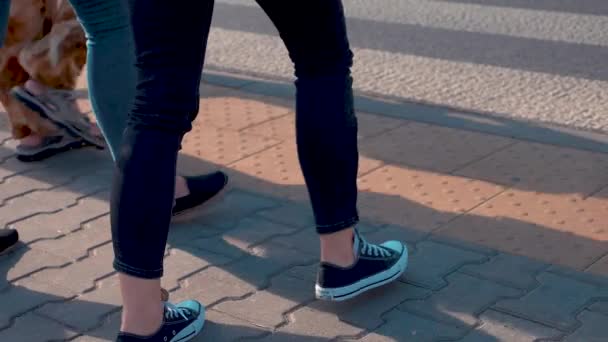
x=173, y=311
x=373, y=250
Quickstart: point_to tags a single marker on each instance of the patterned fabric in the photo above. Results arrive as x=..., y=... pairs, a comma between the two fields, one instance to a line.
x=44, y=42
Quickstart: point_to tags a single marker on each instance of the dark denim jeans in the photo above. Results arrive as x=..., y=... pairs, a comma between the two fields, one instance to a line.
x=170, y=42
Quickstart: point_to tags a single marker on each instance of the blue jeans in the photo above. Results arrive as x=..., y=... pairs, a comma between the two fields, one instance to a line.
x=110, y=64
x=170, y=42
x=5, y=8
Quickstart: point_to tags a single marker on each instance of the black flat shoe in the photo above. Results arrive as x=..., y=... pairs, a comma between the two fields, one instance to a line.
x=8, y=239
x=202, y=189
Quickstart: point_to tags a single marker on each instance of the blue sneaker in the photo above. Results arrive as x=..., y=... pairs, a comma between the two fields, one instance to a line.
x=181, y=322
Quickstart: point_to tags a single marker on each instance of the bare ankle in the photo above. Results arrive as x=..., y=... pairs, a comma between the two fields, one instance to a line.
x=142, y=312
x=181, y=187
x=35, y=87
x=337, y=248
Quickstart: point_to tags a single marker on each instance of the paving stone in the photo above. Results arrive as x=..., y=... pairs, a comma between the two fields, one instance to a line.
x=236, y=206
x=593, y=328
x=521, y=163
x=87, y=310
x=460, y=303
x=554, y=302
x=295, y=215
x=82, y=274
x=266, y=308
x=223, y=146
x=399, y=233
x=511, y=270
x=45, y=330
x=307, y=240
x=306, y=324
x=27, y=294
x=238, y=241
x=420, y=200
x=23, y=183
x=12, y=166
x=601, y=307
x=599, y=267
x=211, y=286
x=26, y=261
x=106, y=332
x=276, y=172
x=237, y=111
x=306, y=273
x=403, y=326
x=183, y=262
x=433, y=261
x=77, y=244
x=50, y=226
x=268, y=260
x=72, y=192
x=417, y=145
x=497, y=326
x=367, y=310
x=23, y=207
x=223, y=328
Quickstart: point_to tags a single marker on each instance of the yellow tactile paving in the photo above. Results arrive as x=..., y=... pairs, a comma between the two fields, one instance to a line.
x=418, y=199
x=432, y=148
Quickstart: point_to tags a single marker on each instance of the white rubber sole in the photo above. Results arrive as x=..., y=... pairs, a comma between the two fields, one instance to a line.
x=192, y=330
x=347, y=292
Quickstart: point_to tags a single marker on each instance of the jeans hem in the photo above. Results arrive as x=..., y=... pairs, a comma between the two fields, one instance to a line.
x=336, y=227
x=137, y=272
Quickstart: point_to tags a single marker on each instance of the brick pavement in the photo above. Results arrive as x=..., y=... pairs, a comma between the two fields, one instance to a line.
x=508, y=238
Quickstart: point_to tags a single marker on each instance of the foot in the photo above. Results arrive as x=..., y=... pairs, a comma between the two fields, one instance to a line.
x=200, y=190
x=60, y=107
x=37, y=148
x=181, y=322
x=8, y=239
x=374, y=266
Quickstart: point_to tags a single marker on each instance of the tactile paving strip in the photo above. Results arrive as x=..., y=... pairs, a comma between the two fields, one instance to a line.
x=417, y=199
x=432, y=148
x=284, y=127
x=543, y=168
x=238, y=110
x=556, y=228
x=222, y=146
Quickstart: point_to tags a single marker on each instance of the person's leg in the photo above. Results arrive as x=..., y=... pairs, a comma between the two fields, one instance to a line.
x=111, y=79
x=170, y=41
x=326, y=130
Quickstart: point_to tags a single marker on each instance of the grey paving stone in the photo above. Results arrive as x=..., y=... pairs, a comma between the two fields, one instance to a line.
x=306, y=324
x=88, y=310
x=106, y=332
x=27, y=261
x=554, y=302
x=211, y=286
x=81, y=275
x=404, y=326
x=512, y=270
x=268, y=260
x=224, y=328
x=33, y=328
x=433, y=261
x=460, y=303
x=291, y=214
x=266, y=308
x=182, y=262
x=27, y=294
x=601, y=307
x=594, y=328
x=366, y=310
x=497, y=326
x=247, y=233
x=235, y=206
